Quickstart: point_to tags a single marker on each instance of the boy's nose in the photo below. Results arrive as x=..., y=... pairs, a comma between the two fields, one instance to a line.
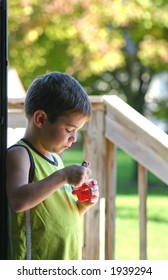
x=73, y=137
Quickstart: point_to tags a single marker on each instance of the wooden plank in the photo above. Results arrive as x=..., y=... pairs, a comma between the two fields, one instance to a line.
x=97, y=103
x=110, y=202
x=95, y=148
x=142, y=188
x=136, y=135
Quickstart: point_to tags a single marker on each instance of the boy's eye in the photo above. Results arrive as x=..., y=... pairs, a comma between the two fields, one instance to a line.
x=68, y=130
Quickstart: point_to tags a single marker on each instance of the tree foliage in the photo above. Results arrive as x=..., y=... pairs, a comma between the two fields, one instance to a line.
x=110, y=46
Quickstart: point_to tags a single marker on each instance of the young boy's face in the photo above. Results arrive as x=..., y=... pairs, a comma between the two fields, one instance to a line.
x=61, y=135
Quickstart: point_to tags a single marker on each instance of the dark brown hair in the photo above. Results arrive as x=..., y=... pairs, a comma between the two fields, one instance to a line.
x=56, y=94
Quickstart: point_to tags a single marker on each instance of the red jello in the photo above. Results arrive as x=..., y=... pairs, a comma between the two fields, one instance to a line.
x=84, y=192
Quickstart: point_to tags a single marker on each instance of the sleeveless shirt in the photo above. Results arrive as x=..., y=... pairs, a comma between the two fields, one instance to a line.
x=52, y=229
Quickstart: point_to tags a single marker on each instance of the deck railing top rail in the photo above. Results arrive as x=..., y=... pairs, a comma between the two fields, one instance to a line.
x=136, y=135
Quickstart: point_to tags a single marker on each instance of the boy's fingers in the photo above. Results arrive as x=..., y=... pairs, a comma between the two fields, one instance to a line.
x=86, y=163
x=89, y=172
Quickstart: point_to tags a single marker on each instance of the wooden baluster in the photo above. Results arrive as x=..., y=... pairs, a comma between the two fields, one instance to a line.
x=142, y=188
x=110, y=201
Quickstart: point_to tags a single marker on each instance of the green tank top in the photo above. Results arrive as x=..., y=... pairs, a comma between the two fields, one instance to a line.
x=52, y=229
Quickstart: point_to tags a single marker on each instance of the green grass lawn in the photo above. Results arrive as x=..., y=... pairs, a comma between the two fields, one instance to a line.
x=127, y=210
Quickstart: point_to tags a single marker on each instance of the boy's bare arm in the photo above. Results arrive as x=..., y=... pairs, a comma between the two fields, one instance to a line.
x=23, y=195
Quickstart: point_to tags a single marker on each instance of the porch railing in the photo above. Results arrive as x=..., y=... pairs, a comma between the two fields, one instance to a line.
x=115, y=124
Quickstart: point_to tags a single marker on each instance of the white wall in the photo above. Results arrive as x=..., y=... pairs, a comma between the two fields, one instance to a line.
x=13, y=135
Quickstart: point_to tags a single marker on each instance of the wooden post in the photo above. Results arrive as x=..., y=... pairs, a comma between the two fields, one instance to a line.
x=111, y=174
x=95, y=152
x=142, y=187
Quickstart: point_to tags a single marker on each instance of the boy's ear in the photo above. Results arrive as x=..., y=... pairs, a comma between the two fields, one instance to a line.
x=40, y=118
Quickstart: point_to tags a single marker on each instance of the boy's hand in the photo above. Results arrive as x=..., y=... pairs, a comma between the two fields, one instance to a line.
x=76, y=174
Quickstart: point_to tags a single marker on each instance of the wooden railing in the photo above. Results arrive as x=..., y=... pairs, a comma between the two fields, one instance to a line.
x=115, y=124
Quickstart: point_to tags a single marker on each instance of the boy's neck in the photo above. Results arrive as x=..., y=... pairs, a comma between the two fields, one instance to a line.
x=34, y=141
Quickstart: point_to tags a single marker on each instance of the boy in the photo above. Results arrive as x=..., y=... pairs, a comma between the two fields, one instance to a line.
x=44, y=216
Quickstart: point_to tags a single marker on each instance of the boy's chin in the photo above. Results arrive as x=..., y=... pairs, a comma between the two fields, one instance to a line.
x=57, y=150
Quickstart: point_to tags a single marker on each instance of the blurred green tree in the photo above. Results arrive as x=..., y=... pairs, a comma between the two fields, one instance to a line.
x=110, y=46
